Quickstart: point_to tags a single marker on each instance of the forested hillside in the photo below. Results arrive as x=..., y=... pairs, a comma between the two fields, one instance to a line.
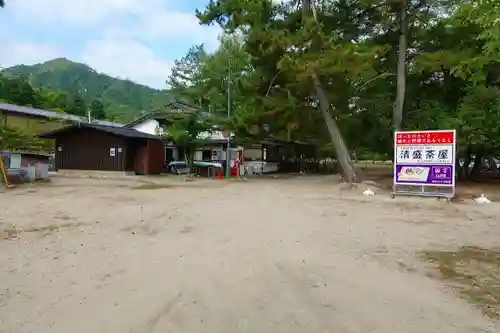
x=78, y=87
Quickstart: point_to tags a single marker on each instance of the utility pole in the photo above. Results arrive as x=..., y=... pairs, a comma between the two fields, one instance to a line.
x=228, y=155
x=89, y=111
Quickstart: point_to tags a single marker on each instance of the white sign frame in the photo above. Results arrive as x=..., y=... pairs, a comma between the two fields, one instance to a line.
x=421, y=188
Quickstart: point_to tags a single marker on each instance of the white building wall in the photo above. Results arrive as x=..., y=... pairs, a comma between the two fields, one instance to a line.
x=217, y=135
x=149, y=126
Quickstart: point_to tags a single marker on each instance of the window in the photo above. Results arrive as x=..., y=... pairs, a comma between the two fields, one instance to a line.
x=206, y=155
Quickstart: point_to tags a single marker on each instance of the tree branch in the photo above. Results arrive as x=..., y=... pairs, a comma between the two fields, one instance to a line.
x=272, y=82
x=383, y=75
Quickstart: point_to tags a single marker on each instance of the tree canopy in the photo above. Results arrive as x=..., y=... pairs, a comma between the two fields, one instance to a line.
x=190, y=130
x=18, y=90
x=448, y=64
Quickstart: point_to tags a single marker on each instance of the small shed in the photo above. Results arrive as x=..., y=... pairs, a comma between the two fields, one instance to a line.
x=88, y=146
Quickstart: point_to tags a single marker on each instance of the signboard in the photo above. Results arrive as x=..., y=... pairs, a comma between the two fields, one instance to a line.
x=425, y=158
x=112, y=152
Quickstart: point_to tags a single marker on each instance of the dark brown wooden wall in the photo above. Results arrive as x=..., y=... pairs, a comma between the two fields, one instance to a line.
x=156, y=157
x=141, y=160
x=149, y=158
x=88, y=149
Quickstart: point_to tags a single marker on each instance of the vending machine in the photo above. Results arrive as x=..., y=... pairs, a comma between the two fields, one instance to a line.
x=234, y=161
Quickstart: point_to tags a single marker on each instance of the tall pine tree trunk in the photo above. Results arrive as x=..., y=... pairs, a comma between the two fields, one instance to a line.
x=348, y=170
x=401, y=70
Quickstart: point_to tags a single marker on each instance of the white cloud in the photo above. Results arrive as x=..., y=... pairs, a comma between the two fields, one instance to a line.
x=121, y=30
x=128, y=60
x=19, y=52
x=76, y=12
x=171, y=25
x=145, y=19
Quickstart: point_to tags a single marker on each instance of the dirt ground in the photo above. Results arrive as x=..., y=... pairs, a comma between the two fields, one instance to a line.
x=264, y=255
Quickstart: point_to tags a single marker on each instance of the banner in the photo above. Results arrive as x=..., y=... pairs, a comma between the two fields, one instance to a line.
x=424, y=158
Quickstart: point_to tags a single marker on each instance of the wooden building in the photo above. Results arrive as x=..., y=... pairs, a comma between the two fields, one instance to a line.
x=33, y=120
x=88, y=146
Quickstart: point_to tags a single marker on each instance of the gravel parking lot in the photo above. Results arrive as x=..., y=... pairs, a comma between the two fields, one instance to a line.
x=264, y=255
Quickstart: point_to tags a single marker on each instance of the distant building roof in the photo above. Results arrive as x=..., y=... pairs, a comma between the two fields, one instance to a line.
x=26, y=110
x=160, y=114
x=38, y=112
x=106, y=123
x=118, y=131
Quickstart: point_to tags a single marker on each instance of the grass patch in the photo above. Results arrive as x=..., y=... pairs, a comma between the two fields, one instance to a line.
x=49, y=229
x=151, y=186
x=13, y=232
x=474, y=271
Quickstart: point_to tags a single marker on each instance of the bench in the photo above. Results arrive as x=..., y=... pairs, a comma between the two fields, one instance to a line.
x=14, y=172
x=186, y=172
x=183, y=171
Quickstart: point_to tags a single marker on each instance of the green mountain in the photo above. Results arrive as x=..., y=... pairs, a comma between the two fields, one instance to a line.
x=123, y=99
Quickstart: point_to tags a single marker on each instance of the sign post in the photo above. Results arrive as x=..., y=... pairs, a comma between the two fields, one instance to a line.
x=424, y=163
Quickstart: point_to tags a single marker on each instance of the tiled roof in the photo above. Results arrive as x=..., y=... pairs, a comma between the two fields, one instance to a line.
x=164, y=114
x=119, y=131
x=106, y=123
x=26, y=110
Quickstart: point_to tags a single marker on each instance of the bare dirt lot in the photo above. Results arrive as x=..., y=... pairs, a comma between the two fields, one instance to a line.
x=267, y=255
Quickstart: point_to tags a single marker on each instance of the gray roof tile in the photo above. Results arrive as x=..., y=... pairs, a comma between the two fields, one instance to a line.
x=119, y=131
x=50, y=114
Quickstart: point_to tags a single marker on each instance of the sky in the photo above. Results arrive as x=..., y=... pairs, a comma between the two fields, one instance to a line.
x=133, y=39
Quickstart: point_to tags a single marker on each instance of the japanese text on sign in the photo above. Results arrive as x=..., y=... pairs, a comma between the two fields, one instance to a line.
x=424, y=154
x=424, y=157
x=425, y=137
